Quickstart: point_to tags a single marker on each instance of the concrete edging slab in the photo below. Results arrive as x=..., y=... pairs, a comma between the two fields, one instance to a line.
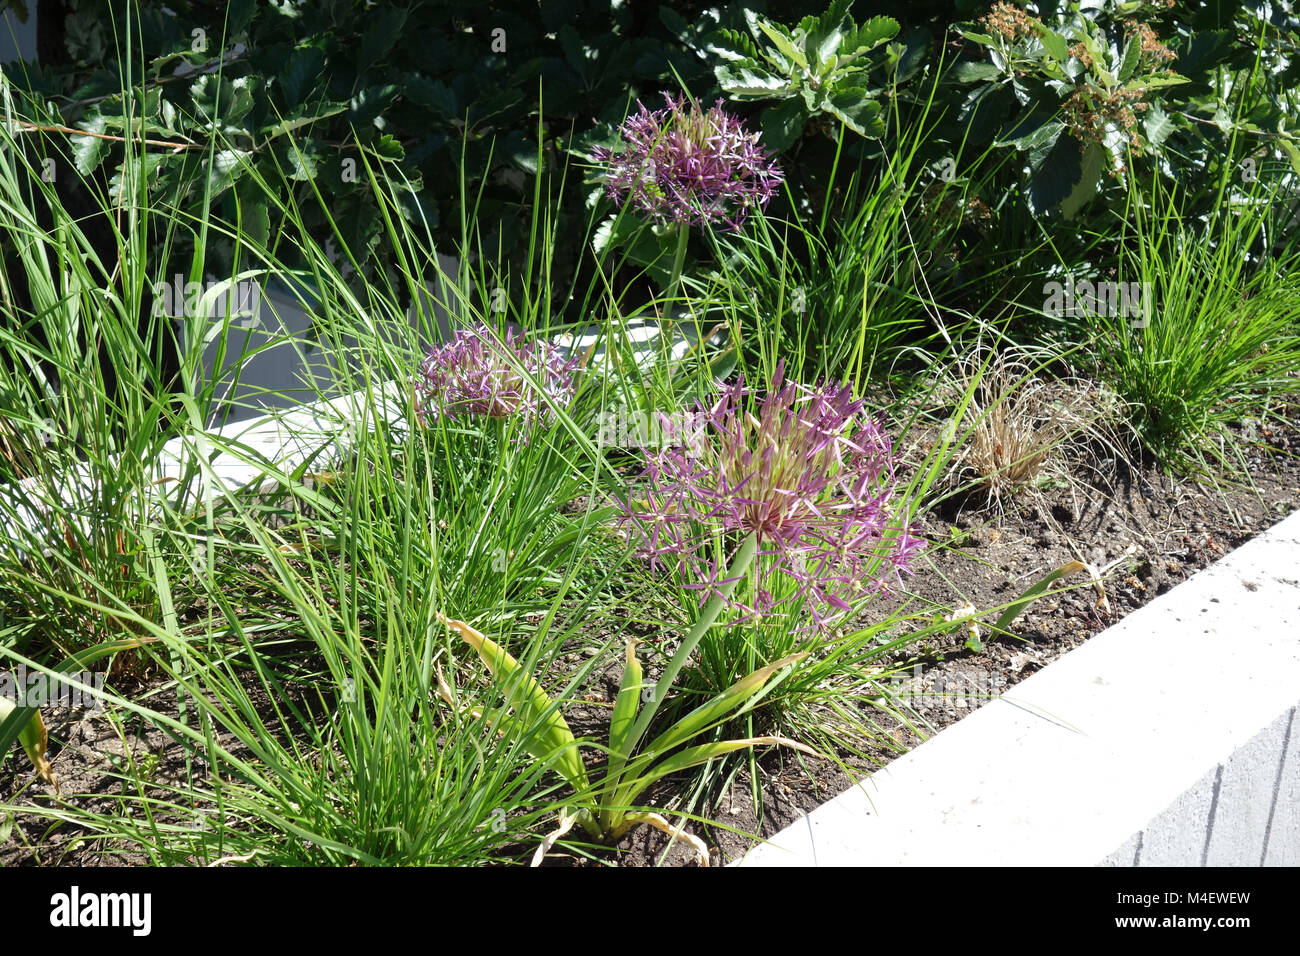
x=1170, y=739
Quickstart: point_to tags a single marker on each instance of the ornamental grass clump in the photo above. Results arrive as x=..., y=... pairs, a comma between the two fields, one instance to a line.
x=801, y=472
x=476, y=375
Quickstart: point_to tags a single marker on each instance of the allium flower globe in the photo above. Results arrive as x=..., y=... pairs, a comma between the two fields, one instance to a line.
x=689, y=166
x=809, y=474
x=474, y=375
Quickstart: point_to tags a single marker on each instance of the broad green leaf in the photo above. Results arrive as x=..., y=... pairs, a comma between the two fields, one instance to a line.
x=389, y=149
x=621, y=723
x=534, y=708
x=383, y=27
x=1157, y=125
x=1055, y=44
x=1292, y=151
x=1099, y=59
x=254, y=219
x=301, y=73
x=317, y=111
x=784, y=123
x=370, y=102
x=694, y=756
x=1157, y=81
x=520, y=150
x=297, y=159
x=1053, y=173
x=1207, y=50
x=611, y=233
x=226, y=167
x=239, y=13
x=1032, y=593
x=869, y=35
x=89, y=151
x=972, y=72
x=731, y=45
x=1128, y=60
x=1037, y=126
x=913, y=51
x=220, y=100
x=862, y=115
x=626, y=704
x=747, y=80
x=431, y=94
x=825, y=36
x=30, y=734
x=674, y=22
x=720, y=707
x=816, y=99
x=980, y=38
x=782, y=53
x=1092, y=167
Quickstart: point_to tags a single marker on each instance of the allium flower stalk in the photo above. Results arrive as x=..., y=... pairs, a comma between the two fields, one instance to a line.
x=688, y=166
x=806, y=473
x=474, y=374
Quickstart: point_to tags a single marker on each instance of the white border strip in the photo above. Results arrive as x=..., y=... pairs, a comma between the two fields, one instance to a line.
x=1172, y=738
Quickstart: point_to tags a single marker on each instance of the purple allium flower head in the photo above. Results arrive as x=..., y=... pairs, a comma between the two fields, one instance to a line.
x=688, y=166
x=474, y=375
x=806, y=471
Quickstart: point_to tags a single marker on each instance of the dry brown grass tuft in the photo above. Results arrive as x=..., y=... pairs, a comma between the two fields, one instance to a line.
x=1024, y=428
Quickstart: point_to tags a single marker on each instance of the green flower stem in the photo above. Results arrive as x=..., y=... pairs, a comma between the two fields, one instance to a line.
x=679, y=258
x=739, y=567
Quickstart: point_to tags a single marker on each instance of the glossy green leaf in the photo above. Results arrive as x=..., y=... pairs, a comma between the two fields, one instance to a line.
x=30, y=735
x=383, y=27
x=787, y=54
x=301, y=73
x=721, y=707
x=1091, y=168
x=1129, y=58
x=89, y=151
x=870, y=35
x=825, y=35
x=1032, y=593
x=747, y=80
x=533, y=707
x=695, y=756
x=972, y=72
x=1055, y=44
x=1036, y=127
x=1157, y=81
x=784, y=123
x=861, y=114
x=626, y=704
x=222, y=101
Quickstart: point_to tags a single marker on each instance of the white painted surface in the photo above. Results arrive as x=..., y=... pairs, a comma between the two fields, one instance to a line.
x=1169, y=739
x=254, y=455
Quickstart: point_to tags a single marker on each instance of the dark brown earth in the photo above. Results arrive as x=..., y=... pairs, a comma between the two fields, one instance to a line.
x=1148, y=531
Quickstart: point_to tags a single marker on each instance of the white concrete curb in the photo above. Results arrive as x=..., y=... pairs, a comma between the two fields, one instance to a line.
x=241, y=455
x=1170, y=739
